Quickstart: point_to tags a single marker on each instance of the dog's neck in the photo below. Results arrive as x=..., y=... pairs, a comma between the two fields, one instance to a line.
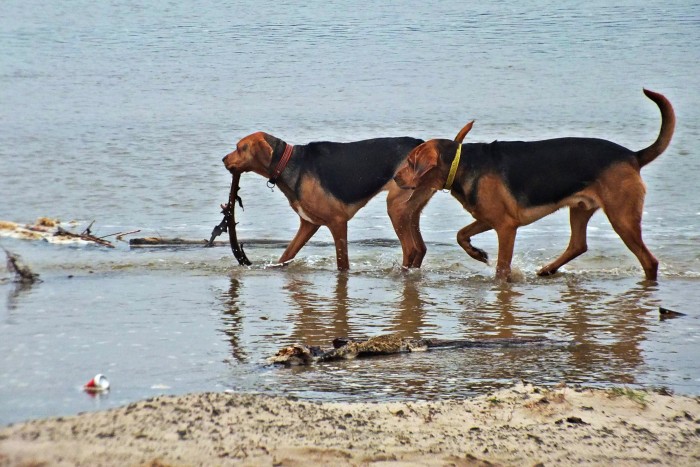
x=281, y=163
x=288, y=177
x=277, y=147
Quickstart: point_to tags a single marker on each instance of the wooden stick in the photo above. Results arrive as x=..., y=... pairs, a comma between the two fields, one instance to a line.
x=83, y=236
x=236, y=247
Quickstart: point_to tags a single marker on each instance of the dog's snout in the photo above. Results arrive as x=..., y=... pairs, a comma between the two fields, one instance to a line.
x=228, y=162
x=228, y=158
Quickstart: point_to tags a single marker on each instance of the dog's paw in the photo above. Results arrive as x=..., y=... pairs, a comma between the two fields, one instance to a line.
x=545, y=272
x=479, y=255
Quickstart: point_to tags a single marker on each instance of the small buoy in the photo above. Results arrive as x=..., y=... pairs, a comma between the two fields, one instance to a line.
x=97, y=384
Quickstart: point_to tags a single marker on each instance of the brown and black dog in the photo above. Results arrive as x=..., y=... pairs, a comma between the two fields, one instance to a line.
x=326, y=183
x=508, y=184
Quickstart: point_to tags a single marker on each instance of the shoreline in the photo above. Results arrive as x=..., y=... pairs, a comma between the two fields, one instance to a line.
x=522, y=425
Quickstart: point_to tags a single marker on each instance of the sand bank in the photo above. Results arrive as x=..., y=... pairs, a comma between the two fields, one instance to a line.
x=523, y=425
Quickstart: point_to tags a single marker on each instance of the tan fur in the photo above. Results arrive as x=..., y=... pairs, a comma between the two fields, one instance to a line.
x=420, y=167
x=619, y=192
x=317, y=208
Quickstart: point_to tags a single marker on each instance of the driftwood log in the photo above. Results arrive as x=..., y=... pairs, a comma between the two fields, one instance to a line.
x=148, y=242
x=51, y=231
x=388, y=344
x=177, y=242
x=85, y=235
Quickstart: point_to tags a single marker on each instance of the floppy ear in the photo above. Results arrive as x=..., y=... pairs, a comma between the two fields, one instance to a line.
x=266, y=145
x=463, y=132
x=418, y=163
x=422, y=161
x=258, y=152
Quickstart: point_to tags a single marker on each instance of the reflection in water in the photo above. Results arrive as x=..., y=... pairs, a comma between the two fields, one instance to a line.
x=607, y=325
x=506, y=297
x=233, y=319
x=611, y=348
x=494, y=315
x=408, y=321
x=18, y=289
x=322, y=315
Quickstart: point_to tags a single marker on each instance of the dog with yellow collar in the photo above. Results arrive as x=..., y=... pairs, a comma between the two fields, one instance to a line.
x=508, y=184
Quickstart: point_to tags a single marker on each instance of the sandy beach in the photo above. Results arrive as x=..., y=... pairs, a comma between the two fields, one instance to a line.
x=523, y=425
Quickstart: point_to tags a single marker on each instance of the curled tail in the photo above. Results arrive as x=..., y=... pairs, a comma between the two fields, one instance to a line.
x=463, y=132
x=668, y=123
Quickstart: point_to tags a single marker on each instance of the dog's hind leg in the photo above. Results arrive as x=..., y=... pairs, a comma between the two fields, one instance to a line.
x=626, y=220
x=305, y=232
x=339, y=230
x=578, y=218
x=623, y=203
x=464, y=239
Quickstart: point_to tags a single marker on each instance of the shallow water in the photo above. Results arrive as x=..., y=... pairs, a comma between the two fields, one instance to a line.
x=121, y=113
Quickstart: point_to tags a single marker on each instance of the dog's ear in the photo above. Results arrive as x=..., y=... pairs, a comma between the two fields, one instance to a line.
x=417, y=164
x=266, y=144
x=463, y=132
x=420, y=167
x=422, y=160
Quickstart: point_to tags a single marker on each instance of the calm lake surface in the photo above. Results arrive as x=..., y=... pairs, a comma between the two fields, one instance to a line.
x=120, y=112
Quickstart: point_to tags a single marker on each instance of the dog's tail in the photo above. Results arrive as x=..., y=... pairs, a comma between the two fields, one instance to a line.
x=668, y=123
x=463, y=132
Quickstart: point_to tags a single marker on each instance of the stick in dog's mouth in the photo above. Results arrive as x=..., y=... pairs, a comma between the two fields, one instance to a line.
x=233, y=197
x=228, y=224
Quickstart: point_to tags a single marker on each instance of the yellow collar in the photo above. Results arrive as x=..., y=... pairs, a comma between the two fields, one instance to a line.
x=453, y=168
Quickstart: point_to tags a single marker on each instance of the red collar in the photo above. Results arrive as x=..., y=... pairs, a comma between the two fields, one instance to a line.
x=286, y=155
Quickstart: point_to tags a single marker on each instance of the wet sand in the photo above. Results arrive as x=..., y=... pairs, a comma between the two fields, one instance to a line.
x=523, y=425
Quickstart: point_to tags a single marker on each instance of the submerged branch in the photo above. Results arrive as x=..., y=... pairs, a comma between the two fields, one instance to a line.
x=388, y=344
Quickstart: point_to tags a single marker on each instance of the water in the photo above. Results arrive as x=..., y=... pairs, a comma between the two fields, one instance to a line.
x=120, y=113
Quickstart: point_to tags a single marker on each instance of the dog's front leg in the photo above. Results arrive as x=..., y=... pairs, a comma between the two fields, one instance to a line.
x=464, y=239
x=506, y=243
x=339, y=230
x=419, y=247
x=305, y=232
